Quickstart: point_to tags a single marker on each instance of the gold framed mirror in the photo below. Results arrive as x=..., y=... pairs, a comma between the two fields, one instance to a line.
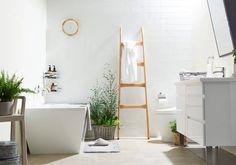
x=70, y=27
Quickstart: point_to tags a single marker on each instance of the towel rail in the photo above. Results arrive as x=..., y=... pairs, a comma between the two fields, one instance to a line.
x=143, y=85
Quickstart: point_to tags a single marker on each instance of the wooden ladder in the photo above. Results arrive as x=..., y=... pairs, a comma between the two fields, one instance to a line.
x=124, y=85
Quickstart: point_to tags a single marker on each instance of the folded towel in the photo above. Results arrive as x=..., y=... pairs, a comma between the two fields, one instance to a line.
x=100, y=142
x=129, y=63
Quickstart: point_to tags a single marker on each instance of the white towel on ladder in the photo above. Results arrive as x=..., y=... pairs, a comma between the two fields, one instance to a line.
x=129, y=63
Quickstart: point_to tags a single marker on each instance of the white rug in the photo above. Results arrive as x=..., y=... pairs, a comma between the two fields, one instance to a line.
x=113, y=147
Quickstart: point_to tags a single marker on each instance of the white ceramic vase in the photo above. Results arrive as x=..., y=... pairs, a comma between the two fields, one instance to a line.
x=6, y=108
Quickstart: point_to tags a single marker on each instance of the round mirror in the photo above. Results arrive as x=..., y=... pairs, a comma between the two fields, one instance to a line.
x=70, y=27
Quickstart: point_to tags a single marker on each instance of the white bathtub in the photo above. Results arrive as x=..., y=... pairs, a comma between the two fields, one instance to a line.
x=55, y=128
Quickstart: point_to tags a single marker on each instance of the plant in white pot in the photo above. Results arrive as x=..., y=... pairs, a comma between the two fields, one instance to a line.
x=103, y=106
x=10, y=88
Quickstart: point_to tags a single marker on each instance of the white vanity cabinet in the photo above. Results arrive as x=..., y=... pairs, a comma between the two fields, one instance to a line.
x=207, y=110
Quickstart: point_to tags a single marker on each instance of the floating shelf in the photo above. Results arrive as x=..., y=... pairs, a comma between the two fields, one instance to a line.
x=51, y=75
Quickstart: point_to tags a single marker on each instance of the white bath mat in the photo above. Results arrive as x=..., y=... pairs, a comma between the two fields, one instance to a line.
x=113, y=147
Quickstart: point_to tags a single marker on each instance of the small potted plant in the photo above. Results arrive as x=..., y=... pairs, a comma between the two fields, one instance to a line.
x=103, y=106
x=174, y=131
x=173, y=127
x=10, y=88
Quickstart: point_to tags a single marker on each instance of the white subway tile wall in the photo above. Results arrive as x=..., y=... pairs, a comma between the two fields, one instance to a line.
x=178, y=35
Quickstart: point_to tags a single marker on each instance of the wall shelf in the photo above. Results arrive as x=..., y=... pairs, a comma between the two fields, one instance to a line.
x=51, y=75
x=50, y=80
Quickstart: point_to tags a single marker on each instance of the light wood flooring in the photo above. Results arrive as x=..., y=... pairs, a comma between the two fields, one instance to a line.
x=142, y=152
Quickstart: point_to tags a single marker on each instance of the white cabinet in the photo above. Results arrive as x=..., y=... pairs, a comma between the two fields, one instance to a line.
x=207, y=110
x=180, y=105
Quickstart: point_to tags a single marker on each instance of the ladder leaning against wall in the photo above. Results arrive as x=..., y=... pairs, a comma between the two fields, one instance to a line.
x=125, y=85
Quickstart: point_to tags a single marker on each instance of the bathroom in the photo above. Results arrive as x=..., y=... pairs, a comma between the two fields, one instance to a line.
x=178, y=36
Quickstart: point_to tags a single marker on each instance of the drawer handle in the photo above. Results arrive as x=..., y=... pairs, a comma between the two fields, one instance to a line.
x=198, y=120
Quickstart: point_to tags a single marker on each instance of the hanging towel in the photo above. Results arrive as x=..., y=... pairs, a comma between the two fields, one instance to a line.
x=129, y=63
x=88, y=118
x=87, y=123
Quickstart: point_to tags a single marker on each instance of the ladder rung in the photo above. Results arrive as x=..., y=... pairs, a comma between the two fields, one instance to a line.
x=133, y=85
x=140, y=43
x=133, y=106
x=141, y=64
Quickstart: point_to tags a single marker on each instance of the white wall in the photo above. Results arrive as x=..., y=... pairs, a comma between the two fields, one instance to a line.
x=23, y=41
x=203, y=40
x=178, y=35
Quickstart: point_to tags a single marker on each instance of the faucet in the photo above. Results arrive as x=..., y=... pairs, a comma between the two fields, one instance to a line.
x=42, y=90
x=220, y=70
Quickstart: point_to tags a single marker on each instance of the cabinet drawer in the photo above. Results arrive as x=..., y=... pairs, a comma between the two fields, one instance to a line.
x=181, y=122
x=194, y=101
x=195, y=112
x=195, y=131
x=194, y=90
x=180, y=102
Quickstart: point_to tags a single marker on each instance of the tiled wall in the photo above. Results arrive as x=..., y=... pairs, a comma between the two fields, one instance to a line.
x=173, y=43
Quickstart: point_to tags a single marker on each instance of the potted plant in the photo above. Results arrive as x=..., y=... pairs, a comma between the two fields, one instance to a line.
x=174, y=131
x=103, y=106
x=173, y=127
x=10, y=88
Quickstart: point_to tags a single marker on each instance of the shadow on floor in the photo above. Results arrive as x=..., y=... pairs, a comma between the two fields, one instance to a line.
x=201, y=156
x=215, y=156
x=45, y=159
x=183, y=156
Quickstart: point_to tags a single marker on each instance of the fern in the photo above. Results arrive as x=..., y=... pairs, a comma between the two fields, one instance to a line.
x=10, y=87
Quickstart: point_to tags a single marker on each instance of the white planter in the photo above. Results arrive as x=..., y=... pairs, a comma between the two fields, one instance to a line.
x=6, y=108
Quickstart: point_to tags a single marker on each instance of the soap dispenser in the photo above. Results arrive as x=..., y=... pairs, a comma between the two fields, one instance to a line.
x=49, y=68
x=53, y=87
x=54, y=69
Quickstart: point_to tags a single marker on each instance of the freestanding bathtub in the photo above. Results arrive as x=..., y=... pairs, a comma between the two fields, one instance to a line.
x=55, y=128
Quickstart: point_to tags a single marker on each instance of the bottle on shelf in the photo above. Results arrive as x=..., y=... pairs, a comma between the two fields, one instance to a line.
x=53, y=87
x=54, y=68
x=49, y=68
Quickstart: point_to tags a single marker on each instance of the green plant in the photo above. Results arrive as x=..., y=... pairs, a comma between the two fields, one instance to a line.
x=10, y=87
x=172, y=125
x=96, y=105
x=103, y=102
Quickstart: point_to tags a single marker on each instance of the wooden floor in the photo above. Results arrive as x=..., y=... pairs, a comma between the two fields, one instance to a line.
x=141, y=152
